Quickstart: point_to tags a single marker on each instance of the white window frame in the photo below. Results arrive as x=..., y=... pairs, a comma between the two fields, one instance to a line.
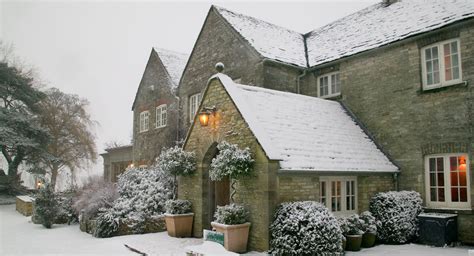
x=194, y=101
x=144, y=120
x=328, y=180
x=330, y=91
x=161, y=116
x=447, y=204
x=442, y=78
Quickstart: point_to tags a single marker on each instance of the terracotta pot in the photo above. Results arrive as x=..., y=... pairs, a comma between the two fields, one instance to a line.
x=179, y=225
x=353, y=242
x=368, y=240
x=235, y=236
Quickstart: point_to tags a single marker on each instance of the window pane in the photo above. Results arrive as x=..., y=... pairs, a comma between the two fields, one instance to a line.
x=434, y=52
x=433, y=194
x=432, y=163
x=432, y=179
x=453, y=163
x=441, y=194
x=454, y=47
x=454, y=179
x=456, y=74
x=435, y=65
x=462, y=178
x=440, y=164
x=436, y=77
x=441, y=179
x=463, y=195
x=454, y=195
x=428, y=54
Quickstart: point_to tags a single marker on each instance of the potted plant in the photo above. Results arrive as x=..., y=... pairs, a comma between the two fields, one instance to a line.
x=232, y=163
x=369, y=228
x=354, y=233
x=232, y=221
x=179, y=218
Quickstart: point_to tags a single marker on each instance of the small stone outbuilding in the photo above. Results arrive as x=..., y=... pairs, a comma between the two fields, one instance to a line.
x=305, y=148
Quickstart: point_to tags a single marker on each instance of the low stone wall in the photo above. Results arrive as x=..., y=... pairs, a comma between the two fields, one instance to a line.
x=24, y=205
x=153, y=225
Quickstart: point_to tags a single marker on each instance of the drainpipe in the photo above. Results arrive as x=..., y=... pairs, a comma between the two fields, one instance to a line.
x=395, y=179
x=299, y=79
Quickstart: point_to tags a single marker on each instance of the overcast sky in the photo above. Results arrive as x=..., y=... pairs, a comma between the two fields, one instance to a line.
x=99, y=49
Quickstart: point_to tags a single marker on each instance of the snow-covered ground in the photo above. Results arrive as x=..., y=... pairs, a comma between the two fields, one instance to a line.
x=18, y=236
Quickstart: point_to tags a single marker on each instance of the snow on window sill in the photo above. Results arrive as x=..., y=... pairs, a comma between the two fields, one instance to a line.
x=466, y=211
x=436, y=88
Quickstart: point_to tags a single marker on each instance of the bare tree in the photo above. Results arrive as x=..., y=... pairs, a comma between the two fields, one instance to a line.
x=70, y=126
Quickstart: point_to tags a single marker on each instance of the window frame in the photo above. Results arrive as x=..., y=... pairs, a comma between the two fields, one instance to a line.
x=196, y=106
x=344, y=180
x=163, y=115
x=447, y=204
x=144, y=121
x=442, y=78
x=330, y=92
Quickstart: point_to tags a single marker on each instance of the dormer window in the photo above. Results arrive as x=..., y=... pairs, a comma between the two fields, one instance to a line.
x=441, y=64
x=329, y=85
x=144, y=121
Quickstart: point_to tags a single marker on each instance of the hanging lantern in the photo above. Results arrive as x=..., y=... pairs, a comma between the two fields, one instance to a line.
x=462, y=164
x=205, y=114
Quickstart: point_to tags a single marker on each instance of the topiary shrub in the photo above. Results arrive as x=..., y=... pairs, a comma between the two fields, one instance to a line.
x=46, y=206
x=232, y=214
x=178, y=206
x=354, y=225
x=369, y=222
x=231, y=162
x=305, y=228
x=397, y=215
x=176, y=162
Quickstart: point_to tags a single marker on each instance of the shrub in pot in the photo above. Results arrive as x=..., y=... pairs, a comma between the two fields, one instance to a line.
x=305, y=228
x=179, y=218
x=177, y=162
x=354, y=233
x=232, y=221
x=369, y=228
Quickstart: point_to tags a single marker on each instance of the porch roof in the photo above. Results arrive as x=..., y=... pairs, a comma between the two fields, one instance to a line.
x=305, y=133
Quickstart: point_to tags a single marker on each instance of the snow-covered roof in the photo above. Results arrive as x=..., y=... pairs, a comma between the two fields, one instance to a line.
x=174, y=62
x=271, y=41
x=378, y=25
x=306, y=133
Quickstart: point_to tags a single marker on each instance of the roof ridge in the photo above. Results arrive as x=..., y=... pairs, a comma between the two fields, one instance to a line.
x=159, y=49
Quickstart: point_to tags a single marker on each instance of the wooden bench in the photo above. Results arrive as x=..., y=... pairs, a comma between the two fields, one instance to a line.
x=24, y=205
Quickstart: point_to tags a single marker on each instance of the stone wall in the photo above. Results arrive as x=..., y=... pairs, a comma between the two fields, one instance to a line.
x=383, y=88
x=154, y=90
x=256, y=192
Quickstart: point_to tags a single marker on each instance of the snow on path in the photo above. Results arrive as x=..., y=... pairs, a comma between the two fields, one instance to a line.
x=19, y=236
x=411, y=250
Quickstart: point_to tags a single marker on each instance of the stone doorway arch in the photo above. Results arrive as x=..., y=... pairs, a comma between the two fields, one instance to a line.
x=215, y=193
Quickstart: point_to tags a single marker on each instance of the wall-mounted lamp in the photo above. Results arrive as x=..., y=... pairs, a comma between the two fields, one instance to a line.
x=39, y=184
x=462, y=164
x=204, y=115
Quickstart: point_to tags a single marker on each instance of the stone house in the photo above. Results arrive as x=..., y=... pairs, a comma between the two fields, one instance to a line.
x=401, y=70
x=155, y=108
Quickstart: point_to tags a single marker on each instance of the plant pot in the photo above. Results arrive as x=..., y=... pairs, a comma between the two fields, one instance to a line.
x=179, y=225
x=353, y=242
x=368, y=240
x=344, y=243
x=235, y=236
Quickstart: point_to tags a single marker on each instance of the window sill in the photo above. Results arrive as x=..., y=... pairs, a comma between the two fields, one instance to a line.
x=443, y=87
x=332, y=97
x=158, y=127
x=463, y=211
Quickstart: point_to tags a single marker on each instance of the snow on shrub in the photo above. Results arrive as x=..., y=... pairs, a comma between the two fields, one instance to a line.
x=305, y=228
x=178, y=206
x=177, y=162
x=142, y=194
x=231, y=162
x=370, y=223
x=397, y=215
x=231, y=214
x=354, y=225
x=66, y=212
x=46, y=206
x=94, y=195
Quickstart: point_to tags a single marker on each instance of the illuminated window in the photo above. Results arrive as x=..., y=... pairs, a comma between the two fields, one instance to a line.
x=339, y=194
x=447, y=181
x=441, y=64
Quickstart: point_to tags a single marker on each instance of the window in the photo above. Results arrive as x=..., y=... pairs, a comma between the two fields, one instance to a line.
x=329, y=85
x=447, y=181
x=194, y=101
x=441, y=64
x=161, y=116
x=338, y=194
x=144, y=121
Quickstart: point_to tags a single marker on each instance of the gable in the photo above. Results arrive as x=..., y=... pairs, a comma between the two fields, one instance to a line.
x=305, y=133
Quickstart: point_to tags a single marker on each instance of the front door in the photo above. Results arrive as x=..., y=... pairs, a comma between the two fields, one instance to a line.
x=219, y=195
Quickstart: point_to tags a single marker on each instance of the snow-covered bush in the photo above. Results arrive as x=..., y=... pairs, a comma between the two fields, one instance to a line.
x=397, y=215
x=231, y=162
x=369, y=222
x=178, y=206
x=66, y=212
x=355, y=225
x=305, y=228
x=46, y=206
x=177, y=162
x=231, y=214
x=142, y=194
x=94, y=195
